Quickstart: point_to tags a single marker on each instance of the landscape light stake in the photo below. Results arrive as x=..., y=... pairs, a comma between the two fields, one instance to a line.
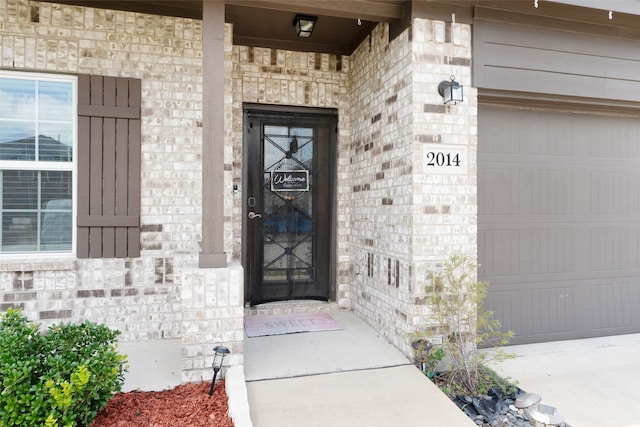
x=220, y=353
x=421, y=349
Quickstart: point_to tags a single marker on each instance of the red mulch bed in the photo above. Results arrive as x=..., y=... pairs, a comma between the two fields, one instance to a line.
x=187, y=405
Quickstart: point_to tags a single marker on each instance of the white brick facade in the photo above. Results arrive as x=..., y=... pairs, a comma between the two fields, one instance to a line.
x=162, y=295
x=395, y=220
x=406, y=221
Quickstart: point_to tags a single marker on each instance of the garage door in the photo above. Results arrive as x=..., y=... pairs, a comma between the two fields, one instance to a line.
x=559, y=222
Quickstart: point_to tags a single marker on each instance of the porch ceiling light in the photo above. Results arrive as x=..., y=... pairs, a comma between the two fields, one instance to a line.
x=218, y=358
x=304, y=25
x=450, y=91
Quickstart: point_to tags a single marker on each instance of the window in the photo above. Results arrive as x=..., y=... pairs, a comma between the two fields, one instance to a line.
x=54, y=129
x=37, y=156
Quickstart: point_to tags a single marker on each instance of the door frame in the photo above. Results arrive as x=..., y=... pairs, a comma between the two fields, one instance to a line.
x=306, y=112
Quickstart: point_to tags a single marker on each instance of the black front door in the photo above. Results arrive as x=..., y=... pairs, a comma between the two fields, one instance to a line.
x=288, y=205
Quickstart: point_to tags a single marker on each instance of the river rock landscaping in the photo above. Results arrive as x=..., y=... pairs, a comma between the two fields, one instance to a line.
x=449, y=352
x=519, y=409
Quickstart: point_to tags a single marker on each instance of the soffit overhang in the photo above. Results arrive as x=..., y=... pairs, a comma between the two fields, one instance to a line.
x=342, y=25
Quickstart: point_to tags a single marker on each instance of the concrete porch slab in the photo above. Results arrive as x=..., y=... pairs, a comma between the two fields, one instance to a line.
x=355, y=347
x=350, y=378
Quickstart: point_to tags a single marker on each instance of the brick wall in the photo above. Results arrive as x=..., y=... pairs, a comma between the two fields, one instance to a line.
x=381, y=182
x=162, y=294
x=406, y=219
x=396, y=220
x=445, y=204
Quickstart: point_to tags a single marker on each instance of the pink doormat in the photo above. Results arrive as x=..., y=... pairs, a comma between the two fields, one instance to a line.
x=260, y=326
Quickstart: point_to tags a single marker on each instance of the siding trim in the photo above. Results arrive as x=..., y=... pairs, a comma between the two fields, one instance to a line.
x=522, y=58
x=528, y=100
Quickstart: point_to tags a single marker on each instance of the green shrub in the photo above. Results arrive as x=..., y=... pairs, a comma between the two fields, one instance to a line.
x=59, y=379
x=456, y=300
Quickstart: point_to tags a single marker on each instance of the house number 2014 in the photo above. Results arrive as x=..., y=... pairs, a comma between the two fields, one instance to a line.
x=442, y=159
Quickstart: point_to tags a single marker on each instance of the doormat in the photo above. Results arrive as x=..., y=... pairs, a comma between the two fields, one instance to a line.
x=260, y=326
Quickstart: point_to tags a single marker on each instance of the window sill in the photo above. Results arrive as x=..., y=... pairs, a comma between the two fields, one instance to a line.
x=44, y=262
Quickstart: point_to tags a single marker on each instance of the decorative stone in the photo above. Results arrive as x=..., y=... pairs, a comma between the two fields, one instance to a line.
x=545, y=414
x=526, y=400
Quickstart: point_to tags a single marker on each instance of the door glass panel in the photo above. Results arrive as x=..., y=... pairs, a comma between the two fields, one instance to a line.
x=288, y=233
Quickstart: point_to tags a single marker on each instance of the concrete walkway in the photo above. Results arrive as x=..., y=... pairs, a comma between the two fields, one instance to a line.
x=353, y=378
x=346, y=378
x=593, y=382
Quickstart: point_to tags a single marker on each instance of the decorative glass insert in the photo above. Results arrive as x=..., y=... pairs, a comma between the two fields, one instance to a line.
x=289, y=236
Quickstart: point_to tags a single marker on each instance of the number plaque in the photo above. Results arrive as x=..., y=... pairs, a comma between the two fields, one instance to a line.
x=446, y=159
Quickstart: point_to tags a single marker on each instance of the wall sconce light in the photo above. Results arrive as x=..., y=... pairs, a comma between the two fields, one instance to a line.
x=218, y=358
x=450, y=91
x=304, y=25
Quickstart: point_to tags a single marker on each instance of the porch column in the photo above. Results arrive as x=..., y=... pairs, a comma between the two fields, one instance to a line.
x=212, y=255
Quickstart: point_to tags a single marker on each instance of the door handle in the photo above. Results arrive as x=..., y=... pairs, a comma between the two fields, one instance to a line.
x=253, y=215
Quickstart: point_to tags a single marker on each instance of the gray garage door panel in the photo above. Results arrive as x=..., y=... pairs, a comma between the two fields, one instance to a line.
x=559, y=222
